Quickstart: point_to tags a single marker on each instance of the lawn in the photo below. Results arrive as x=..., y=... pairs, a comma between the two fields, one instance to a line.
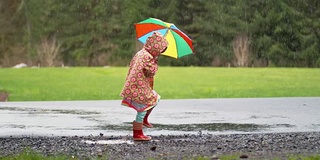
x=83, y=83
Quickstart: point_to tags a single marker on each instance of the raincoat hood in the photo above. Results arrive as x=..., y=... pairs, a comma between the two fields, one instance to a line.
x=156, y=44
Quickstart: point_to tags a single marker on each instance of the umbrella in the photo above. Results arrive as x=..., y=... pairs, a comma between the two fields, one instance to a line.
x=179, y=43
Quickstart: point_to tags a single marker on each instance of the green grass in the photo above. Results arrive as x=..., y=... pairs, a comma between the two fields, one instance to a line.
x=44, y=84
x=29, y=154
x=288, y=157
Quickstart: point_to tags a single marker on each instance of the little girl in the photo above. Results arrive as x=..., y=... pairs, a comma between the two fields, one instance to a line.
x=138, y=90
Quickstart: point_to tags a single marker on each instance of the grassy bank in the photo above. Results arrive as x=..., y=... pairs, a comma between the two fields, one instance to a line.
x=44, y=84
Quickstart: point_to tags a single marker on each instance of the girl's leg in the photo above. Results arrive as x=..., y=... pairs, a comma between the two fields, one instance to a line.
x=137, y=128
x=145, y=120
x=140, y=116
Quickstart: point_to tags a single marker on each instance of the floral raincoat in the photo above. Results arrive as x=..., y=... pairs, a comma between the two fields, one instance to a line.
x=138, y=91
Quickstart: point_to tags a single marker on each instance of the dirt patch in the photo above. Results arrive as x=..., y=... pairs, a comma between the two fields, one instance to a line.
x=4, y=96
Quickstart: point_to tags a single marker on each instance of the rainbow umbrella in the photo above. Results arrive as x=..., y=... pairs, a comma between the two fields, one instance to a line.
x=179, y=43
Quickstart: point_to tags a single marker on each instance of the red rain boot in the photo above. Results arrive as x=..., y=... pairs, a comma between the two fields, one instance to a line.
x=138, y=134
x=145, y=119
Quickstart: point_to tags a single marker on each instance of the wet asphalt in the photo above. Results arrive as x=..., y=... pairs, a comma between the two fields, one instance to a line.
x=173, y=117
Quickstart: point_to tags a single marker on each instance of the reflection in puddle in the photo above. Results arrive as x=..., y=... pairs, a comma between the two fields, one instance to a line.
x=267, y=117
x=284, y=125
x=13, y=109
x=213, y=127
x=48, y=111
x=194, y=127
x=113, y=127
x=79, y=112
x=13, y=126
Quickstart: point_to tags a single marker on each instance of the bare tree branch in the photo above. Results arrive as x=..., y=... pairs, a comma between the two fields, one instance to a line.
x=48, y=51
x=241, y=50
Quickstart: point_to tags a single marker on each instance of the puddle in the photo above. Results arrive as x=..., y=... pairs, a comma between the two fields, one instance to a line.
x=126, y=128
x=118, y=141
x=170, y=117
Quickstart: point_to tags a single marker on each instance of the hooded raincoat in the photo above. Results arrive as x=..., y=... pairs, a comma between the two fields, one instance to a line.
x=138, y=91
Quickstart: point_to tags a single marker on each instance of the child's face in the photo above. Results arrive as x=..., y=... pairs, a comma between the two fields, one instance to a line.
x=156, y=44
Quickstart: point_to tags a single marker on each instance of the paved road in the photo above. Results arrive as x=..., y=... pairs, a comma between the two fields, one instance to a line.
x=215, y=116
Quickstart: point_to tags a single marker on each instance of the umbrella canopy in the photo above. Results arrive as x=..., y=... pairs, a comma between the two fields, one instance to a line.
x=179, y=43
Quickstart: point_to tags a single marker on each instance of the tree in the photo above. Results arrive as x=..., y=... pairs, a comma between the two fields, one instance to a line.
x=48, y=51
x=214, y=27
x=11, y=32
x=310, y=31
x=241, y=50
x=79, y=27
x=281, y=32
